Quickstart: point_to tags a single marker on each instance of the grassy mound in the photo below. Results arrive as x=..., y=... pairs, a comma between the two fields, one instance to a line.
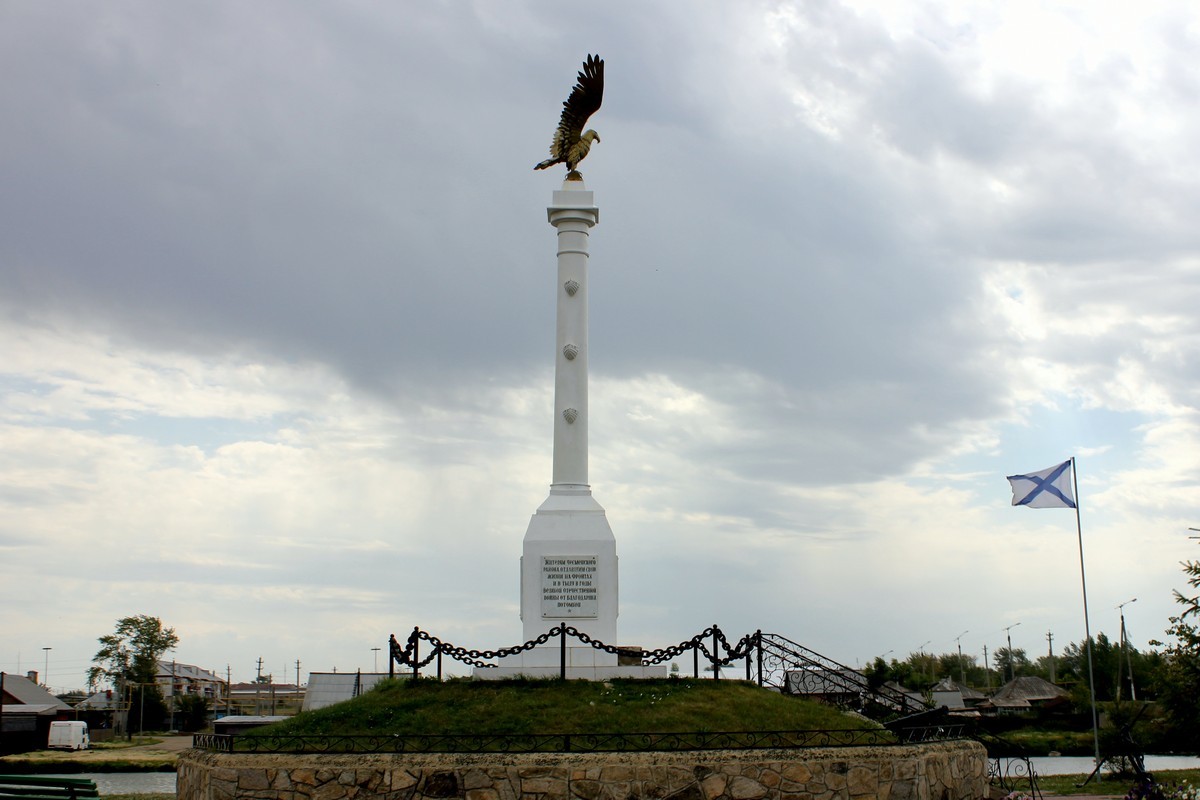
x=408, y=707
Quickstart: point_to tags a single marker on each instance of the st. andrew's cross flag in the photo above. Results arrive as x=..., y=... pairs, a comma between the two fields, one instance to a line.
x=1049, y=488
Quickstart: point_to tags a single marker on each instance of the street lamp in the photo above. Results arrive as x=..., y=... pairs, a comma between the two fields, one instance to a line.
x=1012, y=665
x=1128, y=657
x=46, y=672
x=962, y=670
x=921, y=660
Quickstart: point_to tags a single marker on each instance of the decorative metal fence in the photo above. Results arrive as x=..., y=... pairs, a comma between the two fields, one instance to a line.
x=554, y=742
x=1009, y=766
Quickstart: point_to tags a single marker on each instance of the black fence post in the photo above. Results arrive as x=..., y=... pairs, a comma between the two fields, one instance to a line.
x=716, y=656
x=416, y=657
x=695, y=660
x=749, y=652
x=562, y=650
x=758, y=640
x=391, y=656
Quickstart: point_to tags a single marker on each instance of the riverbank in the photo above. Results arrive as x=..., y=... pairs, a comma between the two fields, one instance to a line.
x=149, y=754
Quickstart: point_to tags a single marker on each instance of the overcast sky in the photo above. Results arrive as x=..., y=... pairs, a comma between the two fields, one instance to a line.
x=277, y=311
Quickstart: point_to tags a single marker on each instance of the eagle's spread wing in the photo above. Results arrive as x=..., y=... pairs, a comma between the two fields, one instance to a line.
x=584, y=101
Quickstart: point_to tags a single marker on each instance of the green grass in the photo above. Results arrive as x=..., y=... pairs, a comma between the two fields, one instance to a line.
x=408, y=707
x=1108, y=785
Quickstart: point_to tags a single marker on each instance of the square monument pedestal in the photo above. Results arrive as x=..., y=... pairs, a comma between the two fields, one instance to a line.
x=583, y=663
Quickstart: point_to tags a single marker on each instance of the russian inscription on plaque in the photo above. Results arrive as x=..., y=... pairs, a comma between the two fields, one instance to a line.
x=569, y=586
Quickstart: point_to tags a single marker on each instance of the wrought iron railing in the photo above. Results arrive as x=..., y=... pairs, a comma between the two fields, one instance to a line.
x=795, y=669
x=1009, y=766
x=555, y=742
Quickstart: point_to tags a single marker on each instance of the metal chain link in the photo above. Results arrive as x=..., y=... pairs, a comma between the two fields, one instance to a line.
x=406, y=656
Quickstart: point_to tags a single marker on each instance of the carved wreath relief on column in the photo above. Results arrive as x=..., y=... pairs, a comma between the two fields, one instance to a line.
x=570, y=415
x=572, y=287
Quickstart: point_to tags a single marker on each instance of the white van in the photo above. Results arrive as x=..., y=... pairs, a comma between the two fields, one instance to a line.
x=69, y=736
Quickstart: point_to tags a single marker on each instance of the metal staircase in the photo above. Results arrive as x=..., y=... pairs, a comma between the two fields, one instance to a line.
x=794, y=669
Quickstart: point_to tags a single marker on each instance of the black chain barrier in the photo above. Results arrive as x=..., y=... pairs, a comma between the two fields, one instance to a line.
x=409, y=656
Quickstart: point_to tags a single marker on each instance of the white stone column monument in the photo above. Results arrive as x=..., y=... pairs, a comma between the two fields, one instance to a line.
x=569, y=556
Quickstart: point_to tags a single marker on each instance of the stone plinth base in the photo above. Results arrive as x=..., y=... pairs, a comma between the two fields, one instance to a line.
x=573, y=673
x=583, y=663
x=943, y=771
x=550, y=655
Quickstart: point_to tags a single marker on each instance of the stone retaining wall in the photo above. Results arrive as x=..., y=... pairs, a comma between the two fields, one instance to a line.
x=944, y=771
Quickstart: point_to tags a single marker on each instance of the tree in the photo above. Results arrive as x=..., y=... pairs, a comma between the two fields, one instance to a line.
x=1011, y=664
x=130, y=653
x=128, y=657
x=1179, y=677
x=1191, y=605
x=193, y=712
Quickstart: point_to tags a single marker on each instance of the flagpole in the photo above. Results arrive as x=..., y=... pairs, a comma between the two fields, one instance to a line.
x=1087, y=627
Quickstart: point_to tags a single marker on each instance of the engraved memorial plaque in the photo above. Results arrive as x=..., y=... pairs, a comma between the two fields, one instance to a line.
x=569, y=587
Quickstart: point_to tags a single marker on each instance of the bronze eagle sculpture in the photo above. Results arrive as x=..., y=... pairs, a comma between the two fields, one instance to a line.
x=571, y=143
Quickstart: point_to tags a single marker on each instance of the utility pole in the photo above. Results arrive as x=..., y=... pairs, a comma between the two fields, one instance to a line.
x=297, y=675
x=228, y=690
x=987, y=669
x=258, y=690
x=1050, y=641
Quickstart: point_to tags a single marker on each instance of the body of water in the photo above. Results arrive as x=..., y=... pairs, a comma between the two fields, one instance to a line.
x=1082, y=765
x=129, y=782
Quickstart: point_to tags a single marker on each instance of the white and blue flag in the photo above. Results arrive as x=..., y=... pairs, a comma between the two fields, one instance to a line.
x=1048, y=488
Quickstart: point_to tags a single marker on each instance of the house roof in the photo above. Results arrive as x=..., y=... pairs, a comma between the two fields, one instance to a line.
x=916, y=697
x=20, y=691
x=100, y=701
x=1026, y=690
x=167, y=669
x=948, y=684
x=327, y=688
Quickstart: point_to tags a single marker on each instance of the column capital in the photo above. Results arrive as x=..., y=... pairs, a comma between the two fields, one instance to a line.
x=573, y=202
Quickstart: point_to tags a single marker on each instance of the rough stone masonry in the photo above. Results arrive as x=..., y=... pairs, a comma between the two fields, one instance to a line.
x=944, y=771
